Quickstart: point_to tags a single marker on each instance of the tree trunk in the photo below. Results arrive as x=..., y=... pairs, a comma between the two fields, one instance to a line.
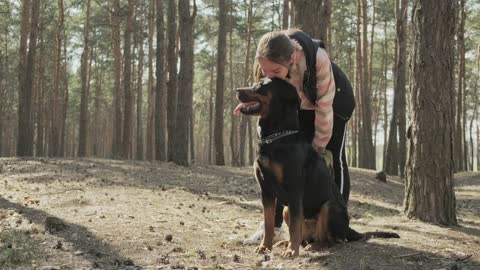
x=54, y=139
x=97, y=126
x=172, y=74
x=160, y=111
x=117, y=90
x=139, y=152
x=307, y=17
x=357, y=117
x=40, y=97
x=429, y=194
x=367, y=152
x=235, y=160
x=475, y=106
x=326, y=25
x=64, y=106
x=246, y=75
x=220, y=87
x=395, y=155
x=127, y=83
x=83, y=125
x=151, y=89
x=185, y=81
x=211, y=106
x=460, y=115
x=285, y=13
x=26, y=77
x=384, y=90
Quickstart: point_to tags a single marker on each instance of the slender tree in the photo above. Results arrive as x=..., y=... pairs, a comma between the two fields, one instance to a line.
x=285, y=13
x=220, y=86
x=151, y=88
x=26, y=76
x=246, y=74
x=429, y=193
x=54, y=139
x=139, y=35
x=235, y=158
x=395, y=155
x=83, y=126
x=160, y=112
x=117, y=90
x=127, y=83
x=172, y=57
x=460, y=160
x=308, y=17
x=185, y=81
x=64, y=105
x=40, y=93
x=367, y=151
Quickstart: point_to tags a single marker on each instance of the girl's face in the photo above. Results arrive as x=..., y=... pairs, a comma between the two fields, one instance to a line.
x=271, y=69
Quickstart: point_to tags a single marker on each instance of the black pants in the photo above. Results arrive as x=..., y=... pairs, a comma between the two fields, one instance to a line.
x=343, y=106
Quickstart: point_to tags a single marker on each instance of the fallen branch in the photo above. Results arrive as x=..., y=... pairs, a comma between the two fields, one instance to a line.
x=407, y=255
x=464, y=258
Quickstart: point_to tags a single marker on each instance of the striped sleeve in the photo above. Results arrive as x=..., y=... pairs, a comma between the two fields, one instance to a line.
x=323, y=104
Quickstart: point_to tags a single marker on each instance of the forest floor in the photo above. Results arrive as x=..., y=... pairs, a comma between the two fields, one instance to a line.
x=108, y=214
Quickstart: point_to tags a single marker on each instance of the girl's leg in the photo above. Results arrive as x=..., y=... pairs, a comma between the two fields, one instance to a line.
x=340, y=166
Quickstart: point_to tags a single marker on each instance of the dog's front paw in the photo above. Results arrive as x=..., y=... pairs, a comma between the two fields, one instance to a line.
x=315, y=246
x=262, y=249
x=289, y=252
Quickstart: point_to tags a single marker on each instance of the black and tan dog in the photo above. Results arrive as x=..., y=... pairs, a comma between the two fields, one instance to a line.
x=289, y=169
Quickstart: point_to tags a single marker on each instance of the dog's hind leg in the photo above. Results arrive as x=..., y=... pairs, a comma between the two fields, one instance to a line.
x=322, y=237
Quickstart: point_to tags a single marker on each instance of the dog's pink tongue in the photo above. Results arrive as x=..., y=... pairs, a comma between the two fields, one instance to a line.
x=236, y=111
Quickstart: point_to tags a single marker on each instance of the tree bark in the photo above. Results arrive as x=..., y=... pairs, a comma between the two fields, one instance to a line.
x=139, y=152
x=127, y=83
x=235, y=159
x=64, y=106
x=395, y=155
x=26, y=77
x=151, y=89
x=246, y=74
x=307, y=17
x=54, y=139
x=117, y=90
x=220, y=86
x=460, y=115
x=211, y=146
x=429, y=193
x=367, y=151
x=160, y=89
x=185, y=81
x=83, y=125
x=285, y=13
x=40, y=96
x=172, y=74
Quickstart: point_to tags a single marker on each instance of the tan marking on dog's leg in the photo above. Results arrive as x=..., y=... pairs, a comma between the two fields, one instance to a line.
x=323, y=230
x=269, y=218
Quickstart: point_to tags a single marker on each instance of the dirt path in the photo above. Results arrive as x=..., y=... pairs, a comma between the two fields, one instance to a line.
x=141, y=215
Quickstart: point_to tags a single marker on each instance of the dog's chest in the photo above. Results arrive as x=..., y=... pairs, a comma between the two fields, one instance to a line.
x=269, y=172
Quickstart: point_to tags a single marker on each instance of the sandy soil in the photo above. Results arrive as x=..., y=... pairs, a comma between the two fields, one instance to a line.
x=142, y=215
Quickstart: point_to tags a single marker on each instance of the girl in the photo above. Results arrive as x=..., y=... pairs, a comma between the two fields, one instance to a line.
x=327, y=100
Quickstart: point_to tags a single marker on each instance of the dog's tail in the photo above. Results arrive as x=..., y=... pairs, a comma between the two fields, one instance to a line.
x=353, y=235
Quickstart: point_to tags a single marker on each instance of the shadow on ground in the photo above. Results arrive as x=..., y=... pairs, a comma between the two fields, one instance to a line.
x=98, y=252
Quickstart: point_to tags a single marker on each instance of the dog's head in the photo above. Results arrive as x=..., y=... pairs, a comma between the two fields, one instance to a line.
x=269, y=98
